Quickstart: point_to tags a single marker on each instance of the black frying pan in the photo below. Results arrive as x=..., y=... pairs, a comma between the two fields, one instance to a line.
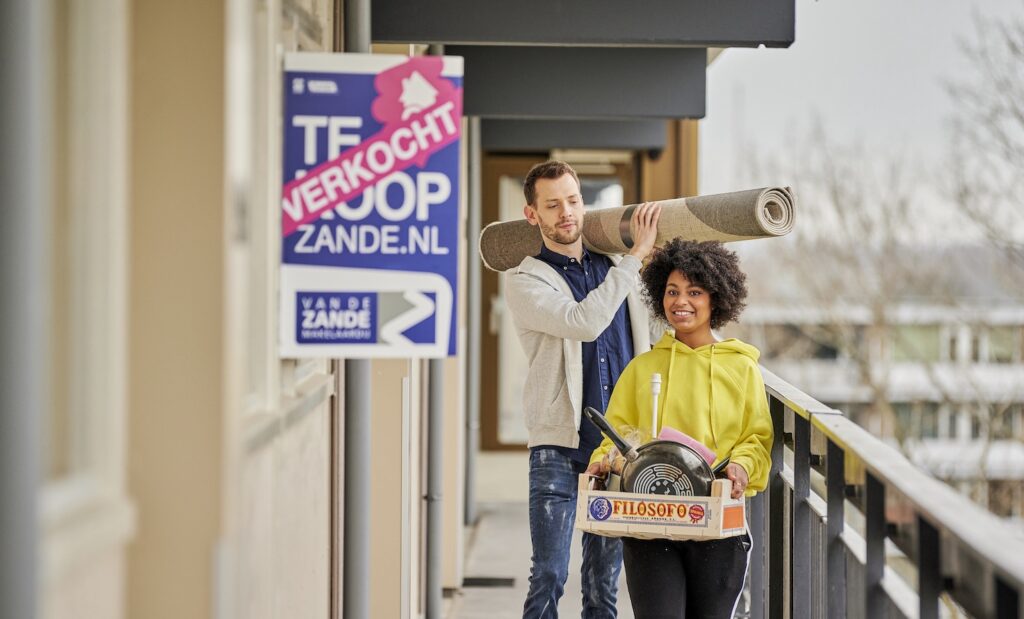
x=660, y=467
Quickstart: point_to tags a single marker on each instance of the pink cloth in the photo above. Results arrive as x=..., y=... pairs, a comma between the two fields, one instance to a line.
x=669, y=433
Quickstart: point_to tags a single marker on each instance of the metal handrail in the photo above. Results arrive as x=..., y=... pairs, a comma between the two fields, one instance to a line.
x=961, y=552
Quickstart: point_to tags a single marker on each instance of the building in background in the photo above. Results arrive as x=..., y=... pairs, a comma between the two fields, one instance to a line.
x=935, y=365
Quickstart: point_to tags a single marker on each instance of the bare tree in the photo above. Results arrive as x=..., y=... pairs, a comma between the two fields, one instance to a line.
x=853, y=256
x=862, y=260
x=865, y=244
x=986, y=165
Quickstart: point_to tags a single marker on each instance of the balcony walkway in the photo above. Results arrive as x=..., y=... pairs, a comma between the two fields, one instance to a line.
x=499, y=547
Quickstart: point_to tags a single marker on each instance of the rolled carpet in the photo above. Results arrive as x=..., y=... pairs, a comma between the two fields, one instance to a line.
x=735, y=216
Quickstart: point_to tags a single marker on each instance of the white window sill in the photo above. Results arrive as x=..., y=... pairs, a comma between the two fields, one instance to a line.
x=81, y=520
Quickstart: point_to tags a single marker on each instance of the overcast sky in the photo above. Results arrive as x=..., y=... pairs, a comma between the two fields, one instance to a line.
x=870, y=70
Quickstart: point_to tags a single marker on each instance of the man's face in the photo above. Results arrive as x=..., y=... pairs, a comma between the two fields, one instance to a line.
x=558, y=209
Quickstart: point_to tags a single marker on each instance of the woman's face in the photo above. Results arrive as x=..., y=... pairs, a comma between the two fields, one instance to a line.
x=687, y=308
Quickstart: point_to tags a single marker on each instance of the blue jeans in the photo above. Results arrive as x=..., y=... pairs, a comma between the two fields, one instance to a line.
x=554, y=479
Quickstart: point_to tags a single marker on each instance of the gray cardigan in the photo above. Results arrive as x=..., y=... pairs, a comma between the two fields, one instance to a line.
x=551, y=325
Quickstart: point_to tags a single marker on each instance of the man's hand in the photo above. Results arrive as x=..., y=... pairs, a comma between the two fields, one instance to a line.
x=644, y=228
x=598, y=469
x=602, y=467
x=738, y=475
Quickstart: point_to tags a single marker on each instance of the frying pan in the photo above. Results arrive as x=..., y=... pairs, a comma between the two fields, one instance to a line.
x=660, y=467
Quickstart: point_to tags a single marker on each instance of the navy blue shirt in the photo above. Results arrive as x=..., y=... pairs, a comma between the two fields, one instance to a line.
x=604, y=358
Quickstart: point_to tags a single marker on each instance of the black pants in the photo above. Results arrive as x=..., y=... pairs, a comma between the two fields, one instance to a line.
x=674, y=580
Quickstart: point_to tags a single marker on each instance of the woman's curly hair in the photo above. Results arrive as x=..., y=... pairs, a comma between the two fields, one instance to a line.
x=707, y=264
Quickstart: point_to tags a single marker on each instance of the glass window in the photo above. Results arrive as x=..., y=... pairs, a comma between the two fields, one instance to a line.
x=951, y=339
x=1003, y=344
x=794, y=342
x=976, y=425
x=1005, y=497
x=926, y=419
x=1006, y=423
x=975, y=344
x=951, y=419
x=916, y=343
x=904, y=413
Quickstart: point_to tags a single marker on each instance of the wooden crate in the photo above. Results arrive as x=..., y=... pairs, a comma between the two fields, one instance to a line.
x=650, y=516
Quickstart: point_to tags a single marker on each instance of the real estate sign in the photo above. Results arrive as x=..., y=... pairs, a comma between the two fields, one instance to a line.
x=370, y=205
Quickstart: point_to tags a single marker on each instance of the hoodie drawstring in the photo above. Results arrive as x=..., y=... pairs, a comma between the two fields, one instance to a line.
x=668, y=379
x=711, y=398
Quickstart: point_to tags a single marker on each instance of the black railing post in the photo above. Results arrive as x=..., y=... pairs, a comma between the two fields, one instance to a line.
x=835, y=484
x=1007, y=601
x=929, y=570
x=757, y=556
x=777, y=515
x=874, y=568
x=800, y=534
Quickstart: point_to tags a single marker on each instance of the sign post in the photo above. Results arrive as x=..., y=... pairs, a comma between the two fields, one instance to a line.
x=369, y=207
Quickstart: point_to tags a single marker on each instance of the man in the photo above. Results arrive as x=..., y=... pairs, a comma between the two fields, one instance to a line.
x=580, y=320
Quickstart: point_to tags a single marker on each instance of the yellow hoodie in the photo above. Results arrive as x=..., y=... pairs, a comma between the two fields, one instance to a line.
x=714, y=393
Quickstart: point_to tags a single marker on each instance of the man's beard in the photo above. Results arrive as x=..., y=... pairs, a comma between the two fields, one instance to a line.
x=558, y=236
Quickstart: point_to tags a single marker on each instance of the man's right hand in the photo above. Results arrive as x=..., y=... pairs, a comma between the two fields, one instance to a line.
x=598, y=469
x=644, y=227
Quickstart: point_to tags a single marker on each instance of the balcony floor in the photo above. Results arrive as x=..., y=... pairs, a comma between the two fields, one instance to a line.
x=499, y=547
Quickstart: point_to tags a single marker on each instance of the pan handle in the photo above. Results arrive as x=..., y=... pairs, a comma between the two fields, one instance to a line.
x=719, y=467
x=606, y=428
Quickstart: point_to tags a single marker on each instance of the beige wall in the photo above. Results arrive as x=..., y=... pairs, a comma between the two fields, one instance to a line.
x=452, y=493
x=176, y=332
x=389, y=397
x=674, y=173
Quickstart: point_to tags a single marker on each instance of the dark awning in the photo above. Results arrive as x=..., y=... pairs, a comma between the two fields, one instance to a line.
x=672, y=23
x=544, y=135
x=583, y=82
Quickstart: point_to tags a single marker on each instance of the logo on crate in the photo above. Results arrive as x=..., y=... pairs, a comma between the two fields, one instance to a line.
x=600, y=508
x=696, y=513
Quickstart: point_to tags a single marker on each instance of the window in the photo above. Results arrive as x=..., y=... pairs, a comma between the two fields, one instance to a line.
x=975, y=350
x=903, y=412
x=948, y=423
x=925, y=420
x=1004, y=344
x=977, y=423
x=1007, y=422
x=917, y=419
x=950, y=339
x=1006, y=497
x=916, y=343
x=791, y=341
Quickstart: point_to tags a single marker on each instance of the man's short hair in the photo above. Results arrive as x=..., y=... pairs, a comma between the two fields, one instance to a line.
x=549, y=169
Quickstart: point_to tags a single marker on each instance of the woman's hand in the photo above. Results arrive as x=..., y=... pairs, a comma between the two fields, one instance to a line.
x=738, y=476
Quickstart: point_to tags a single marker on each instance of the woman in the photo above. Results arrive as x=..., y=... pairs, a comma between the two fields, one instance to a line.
x=711, y=390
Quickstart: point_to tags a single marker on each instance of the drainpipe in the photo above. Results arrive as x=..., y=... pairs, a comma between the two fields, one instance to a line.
x=473, y=326
x=358, y=385
x=435, y=470
x=435, y=480
x=24, y=281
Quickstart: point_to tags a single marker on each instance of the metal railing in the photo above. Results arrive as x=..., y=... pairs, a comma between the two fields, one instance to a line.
x=848, y=527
